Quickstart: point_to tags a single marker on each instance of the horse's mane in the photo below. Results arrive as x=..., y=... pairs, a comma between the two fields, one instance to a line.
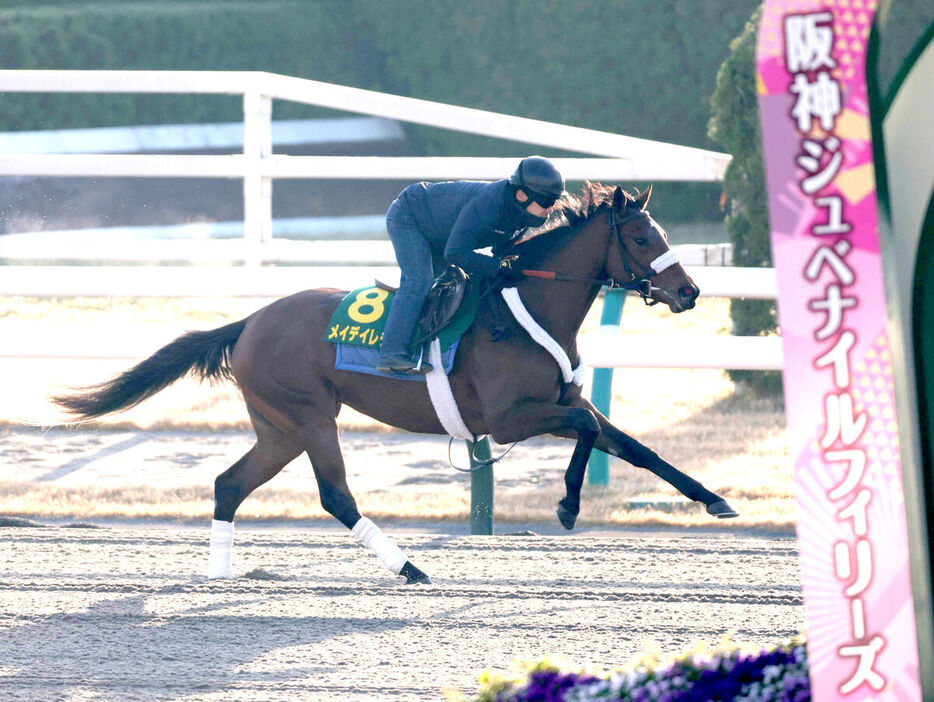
x=570, y=213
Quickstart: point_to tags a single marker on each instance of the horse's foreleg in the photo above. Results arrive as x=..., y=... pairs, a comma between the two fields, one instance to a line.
x=570, y=505
x=323, y=448
x=531, y=419
x=617, y=443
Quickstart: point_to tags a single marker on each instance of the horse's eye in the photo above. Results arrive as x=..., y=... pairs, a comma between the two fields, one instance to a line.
x=642, y=241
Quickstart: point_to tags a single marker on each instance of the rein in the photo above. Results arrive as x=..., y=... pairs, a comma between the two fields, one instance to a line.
x=642, y=284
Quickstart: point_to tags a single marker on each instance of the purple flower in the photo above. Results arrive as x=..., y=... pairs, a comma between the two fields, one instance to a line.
x=547, y=686
x=777, y=675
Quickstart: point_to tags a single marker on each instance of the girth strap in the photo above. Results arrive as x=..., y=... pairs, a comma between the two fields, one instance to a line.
x=442, y=399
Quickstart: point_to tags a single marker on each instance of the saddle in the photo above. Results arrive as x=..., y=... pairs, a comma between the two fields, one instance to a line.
x=442, y=304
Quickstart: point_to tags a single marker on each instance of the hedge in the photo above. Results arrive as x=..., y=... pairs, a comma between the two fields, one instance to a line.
x=270, y=36
x=639, y=69
x=642, y=69
x=595, y=64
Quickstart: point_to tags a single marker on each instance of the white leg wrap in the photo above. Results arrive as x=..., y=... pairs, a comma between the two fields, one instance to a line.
x=222, y=534
x=380, y=544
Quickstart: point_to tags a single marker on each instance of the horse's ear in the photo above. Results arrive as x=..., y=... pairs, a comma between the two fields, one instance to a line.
x=620, y=199
x=643, y=198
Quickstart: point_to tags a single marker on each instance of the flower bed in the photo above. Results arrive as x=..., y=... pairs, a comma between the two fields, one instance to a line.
x=726, y=674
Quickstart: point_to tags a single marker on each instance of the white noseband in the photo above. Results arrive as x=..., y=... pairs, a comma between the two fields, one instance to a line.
x=666, y=260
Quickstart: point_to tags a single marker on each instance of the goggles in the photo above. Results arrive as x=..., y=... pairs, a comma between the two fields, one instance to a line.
x=545, y=201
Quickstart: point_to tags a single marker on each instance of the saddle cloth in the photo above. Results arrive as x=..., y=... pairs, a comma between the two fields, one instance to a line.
x=357, y=325
x=363, y=360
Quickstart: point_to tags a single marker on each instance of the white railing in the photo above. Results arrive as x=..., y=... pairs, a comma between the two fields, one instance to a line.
x=269, y=282
x=260, y=88
x=622, y=157
x=603, y=348
x=610, y=348
x=121, y=247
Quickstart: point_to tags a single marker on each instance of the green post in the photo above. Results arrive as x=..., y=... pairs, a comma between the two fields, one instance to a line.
x=481, y=489
x=598, y=468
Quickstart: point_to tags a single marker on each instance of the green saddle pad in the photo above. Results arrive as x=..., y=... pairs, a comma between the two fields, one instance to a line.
x=361, y=317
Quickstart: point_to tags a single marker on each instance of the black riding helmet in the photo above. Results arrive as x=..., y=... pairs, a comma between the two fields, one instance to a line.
x=539, y=179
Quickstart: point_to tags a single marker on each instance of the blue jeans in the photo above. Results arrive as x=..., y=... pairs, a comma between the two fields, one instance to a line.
x=418, y=265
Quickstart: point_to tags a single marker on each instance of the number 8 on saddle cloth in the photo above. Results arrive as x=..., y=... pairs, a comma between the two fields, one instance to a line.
x=356, y=326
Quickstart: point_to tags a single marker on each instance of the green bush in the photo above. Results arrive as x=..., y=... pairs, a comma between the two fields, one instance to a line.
x=735, y=125
x=598, y=64
x=283, y=36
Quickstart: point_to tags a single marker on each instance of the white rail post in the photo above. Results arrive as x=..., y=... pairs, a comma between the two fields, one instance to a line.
x=257, y=187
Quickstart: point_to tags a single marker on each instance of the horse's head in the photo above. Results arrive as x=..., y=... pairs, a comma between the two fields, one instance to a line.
x=639, y=257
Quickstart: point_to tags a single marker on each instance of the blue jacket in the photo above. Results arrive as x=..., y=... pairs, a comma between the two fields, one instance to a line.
x=458, y=217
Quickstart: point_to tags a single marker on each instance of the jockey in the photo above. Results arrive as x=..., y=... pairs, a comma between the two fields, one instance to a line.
x=432, y=225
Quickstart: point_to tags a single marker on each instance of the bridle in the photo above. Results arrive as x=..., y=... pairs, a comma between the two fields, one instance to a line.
x=641, y=284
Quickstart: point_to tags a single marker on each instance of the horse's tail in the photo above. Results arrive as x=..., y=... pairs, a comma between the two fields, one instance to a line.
x=206, y=354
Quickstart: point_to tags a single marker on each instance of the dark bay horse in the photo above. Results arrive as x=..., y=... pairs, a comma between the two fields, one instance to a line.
x=509, y=388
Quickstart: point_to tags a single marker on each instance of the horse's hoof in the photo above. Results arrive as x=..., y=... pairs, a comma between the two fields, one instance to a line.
x=414, y=576
x=721, y=510
x=566, y=517
x=420, y=579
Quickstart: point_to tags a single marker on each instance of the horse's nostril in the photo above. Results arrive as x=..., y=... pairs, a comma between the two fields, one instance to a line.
x=689, y=291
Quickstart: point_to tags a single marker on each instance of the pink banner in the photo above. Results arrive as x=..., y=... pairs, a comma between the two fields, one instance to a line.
x=839, y=392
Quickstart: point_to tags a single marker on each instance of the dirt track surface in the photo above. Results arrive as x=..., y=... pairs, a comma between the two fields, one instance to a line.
x=124, y=613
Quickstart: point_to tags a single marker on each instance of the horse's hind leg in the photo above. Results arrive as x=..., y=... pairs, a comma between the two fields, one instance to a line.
x=274, y=449
x=322, y=444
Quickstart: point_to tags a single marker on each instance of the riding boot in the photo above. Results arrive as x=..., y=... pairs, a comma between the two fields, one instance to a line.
x=403, y=315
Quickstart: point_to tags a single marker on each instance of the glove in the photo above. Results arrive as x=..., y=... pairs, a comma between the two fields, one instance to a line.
x=508, y=277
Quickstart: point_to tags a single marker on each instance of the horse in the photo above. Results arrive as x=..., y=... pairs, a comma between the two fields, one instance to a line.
x=506, y=385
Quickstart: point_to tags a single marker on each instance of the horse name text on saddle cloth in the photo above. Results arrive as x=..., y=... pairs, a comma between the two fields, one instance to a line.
x=439, y=388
